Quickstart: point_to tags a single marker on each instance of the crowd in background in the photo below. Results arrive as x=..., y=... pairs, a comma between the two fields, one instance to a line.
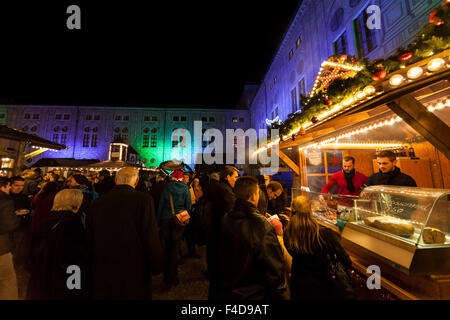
x=120, y=229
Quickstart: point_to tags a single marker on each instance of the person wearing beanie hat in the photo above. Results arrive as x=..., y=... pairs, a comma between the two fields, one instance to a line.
x=175, y=197
x=177, y=175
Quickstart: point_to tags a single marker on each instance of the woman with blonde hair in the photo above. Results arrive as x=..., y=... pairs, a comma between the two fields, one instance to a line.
x=60, y=242
x=314, y=249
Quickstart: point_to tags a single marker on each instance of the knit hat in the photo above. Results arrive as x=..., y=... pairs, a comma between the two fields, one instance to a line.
x=276, y=223
x=177, y=175
x=80, y=179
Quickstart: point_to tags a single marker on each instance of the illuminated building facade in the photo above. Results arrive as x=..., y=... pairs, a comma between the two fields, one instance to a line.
x=88, y=131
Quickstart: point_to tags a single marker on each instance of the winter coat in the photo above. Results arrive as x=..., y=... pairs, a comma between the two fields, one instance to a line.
x=104, y=186
x=42, y=207
x=393, y=178
x=181, y=200
x=124, y=243
x=222, y=200
x=59, y=243
x=9, y=222
x=263, y=203
x=251, y=258
x=309, y=273
x=339, y=179
x=156, y=191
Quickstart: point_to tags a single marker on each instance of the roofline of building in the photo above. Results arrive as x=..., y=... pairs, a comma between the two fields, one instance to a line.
x=238, y=108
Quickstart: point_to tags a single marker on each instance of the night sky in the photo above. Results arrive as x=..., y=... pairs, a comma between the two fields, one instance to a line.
x=137, y=53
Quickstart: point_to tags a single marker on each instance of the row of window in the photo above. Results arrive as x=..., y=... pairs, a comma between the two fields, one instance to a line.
x=92, y=140
x=295, y=99
x=63, y=137
x=235, y=119
x=297, y=44
x=146, y=139
x=90, y=117
x=365, y=39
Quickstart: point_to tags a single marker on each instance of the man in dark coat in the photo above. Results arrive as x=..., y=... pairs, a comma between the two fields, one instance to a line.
x=123, y=236
x=22, y=205
x=271, y=192
x=222, y=198
x=251, y=256
x=8, y=224
x=389, y=173
x=105, y=184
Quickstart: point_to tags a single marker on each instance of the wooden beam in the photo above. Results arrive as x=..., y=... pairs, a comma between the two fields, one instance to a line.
x=424, y=122
x=291, y=164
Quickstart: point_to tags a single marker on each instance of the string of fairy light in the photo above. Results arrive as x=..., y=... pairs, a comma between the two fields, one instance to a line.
x=369, y=92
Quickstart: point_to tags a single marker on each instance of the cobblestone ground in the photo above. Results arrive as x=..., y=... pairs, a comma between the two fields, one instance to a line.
x=193, y=281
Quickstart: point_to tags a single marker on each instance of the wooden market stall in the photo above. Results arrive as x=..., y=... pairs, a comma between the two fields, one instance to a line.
x=408, y=112
x=412, y=118
x=13, y=146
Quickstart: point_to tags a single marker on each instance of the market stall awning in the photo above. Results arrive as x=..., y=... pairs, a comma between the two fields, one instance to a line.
x=64, y=162
x=35, y=140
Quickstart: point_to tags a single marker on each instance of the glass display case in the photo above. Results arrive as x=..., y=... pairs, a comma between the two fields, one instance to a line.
x=420, y=216
x=406, y=227
x=331, y=209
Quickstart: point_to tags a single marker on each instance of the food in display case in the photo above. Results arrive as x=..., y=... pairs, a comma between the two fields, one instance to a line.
x=433, y=236
x=396, y=226
x=417, y=215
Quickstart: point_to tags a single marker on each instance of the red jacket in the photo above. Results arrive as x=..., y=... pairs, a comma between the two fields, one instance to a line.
x=338, y=179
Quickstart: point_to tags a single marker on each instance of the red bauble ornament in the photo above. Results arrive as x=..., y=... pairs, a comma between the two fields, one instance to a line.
x=329, y=102
x=435, y=20
x=314, y=120
x=379, y=75
x=406, y=56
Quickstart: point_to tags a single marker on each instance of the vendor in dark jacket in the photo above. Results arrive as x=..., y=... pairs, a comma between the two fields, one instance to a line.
x=251, y=258
x=310, y=245
x=9, y=222
x=389, y=173
x=222, y=198
x=59, y=243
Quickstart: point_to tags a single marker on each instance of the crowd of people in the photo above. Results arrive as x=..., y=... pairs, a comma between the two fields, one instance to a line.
x=120, y=230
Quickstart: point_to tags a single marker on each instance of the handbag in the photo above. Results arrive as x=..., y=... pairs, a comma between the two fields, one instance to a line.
x=181, y=219
x=341, y=280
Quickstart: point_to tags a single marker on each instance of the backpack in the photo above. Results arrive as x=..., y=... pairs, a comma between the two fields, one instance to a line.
x=201, y=221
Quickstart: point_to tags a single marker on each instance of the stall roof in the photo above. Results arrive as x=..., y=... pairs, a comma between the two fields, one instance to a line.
x=115, y=165
x=63, y=162
x=18, y=135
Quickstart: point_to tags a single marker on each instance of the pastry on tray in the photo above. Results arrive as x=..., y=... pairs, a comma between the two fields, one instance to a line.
x=433, y=236
x=393, y=225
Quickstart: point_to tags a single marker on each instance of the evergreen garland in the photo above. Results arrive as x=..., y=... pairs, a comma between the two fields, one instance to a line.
x=433, y=38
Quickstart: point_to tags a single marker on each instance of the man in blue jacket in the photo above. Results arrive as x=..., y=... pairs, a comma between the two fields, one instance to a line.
x=170, y=233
